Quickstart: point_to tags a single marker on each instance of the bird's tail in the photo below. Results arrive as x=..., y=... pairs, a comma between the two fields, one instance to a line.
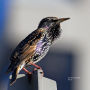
x=10, y=68
x=14, y=76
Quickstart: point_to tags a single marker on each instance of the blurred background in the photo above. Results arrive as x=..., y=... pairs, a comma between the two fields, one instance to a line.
x=68, y=61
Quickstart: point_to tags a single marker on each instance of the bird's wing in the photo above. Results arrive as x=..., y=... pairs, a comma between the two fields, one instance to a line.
x=27, y=47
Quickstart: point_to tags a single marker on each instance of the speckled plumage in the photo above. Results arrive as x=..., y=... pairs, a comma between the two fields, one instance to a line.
x=35, y=46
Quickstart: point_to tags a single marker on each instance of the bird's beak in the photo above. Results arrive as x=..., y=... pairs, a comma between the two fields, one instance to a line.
x=62, y=19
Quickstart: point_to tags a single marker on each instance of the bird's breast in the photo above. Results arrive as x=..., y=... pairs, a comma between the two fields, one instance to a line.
x=41, y=49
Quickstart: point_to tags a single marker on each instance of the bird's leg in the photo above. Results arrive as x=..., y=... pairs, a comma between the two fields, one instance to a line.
x=37, y=67
x=29, y=74
x=26, y=71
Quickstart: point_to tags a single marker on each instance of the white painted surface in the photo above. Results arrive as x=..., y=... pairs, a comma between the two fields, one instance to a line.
x=46, y=83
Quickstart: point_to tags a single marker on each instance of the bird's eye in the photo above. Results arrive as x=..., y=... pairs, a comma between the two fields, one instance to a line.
x=55, y=20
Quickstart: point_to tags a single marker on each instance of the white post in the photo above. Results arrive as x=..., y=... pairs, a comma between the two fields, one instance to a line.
x=37, y=82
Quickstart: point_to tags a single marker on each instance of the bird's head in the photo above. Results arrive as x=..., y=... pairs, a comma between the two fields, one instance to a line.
x=50, y=22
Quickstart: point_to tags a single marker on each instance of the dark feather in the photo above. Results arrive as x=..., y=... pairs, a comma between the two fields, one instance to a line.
x=25, y=49
x=54, y=32
x=14, y=76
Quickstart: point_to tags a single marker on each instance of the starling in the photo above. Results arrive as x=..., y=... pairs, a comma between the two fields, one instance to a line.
x=35, y=46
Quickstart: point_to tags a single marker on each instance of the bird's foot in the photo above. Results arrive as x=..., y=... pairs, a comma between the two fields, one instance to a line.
x=37, y=67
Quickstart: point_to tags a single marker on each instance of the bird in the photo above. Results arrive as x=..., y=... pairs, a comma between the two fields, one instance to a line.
x=35, y=46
